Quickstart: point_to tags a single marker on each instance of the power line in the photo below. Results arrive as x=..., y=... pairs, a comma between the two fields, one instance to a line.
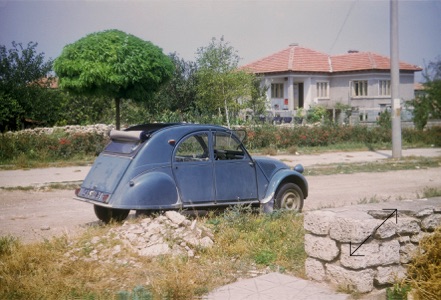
x=342, y=26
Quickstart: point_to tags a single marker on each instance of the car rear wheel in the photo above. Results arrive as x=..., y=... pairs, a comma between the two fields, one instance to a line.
x=107, y=214
x=289, y=197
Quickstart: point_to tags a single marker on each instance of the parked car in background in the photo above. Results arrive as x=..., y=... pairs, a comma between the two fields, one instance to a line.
x=186, y=166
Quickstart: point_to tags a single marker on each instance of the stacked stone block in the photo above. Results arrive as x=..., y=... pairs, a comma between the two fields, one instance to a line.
x=366, y=247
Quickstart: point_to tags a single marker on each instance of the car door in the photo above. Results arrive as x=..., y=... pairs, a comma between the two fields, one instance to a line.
x=234, y=170
x=193, y=169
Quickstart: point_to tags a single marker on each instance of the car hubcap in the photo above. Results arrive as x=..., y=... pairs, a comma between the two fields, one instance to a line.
x=291, y=201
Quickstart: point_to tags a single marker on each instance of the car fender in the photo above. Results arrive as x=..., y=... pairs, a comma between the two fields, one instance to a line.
x=282, y=176
x=152, y=190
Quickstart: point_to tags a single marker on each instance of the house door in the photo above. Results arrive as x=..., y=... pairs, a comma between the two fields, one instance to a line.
x=298, y=95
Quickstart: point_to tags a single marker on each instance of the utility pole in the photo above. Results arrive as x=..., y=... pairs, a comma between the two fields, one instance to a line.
x=395, y=81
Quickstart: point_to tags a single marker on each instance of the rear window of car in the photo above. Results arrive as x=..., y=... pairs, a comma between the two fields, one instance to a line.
x=123, y=147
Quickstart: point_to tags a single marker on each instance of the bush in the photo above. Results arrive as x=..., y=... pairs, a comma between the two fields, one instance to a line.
x=424, y=271
x=49, y=146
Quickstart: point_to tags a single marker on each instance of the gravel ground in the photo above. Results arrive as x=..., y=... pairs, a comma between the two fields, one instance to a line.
x=38, y=215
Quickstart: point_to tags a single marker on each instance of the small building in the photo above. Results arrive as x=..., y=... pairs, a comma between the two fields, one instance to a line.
x=299, y=77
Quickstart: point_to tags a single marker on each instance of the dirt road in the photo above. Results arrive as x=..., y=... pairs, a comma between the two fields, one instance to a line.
x=33, y=215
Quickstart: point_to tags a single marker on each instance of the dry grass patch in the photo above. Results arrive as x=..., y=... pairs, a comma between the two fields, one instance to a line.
x=245, y=243
x=424, y=272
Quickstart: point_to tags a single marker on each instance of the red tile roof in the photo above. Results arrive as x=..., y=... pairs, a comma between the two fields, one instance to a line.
x=300, y=59
x=365, y=61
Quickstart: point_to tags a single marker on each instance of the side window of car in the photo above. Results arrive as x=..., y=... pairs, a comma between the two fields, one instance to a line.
x=193, y=148
x=226, y=147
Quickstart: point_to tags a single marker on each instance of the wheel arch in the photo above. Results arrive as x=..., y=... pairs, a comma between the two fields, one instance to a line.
x=282, y=177
x=300, y=182
x=153, y=190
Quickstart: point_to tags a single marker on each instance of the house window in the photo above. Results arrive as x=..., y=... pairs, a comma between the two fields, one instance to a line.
x=322, y=89
x=277, y=90
x=359, y=88
x=384, y=86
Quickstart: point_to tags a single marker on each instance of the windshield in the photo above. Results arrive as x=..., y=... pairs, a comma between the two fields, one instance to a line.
x=123, y=147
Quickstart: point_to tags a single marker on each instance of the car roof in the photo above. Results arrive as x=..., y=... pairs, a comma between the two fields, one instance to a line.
x=153, y=127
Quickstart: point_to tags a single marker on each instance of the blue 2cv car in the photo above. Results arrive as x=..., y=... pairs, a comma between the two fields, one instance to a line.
x=186, y=166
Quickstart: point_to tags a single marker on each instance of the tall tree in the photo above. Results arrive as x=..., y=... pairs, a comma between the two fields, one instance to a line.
x=257, y=100
x=24, y=82
x=113, y=64
x=179, y=93
x=220, y=83
x=428, y=104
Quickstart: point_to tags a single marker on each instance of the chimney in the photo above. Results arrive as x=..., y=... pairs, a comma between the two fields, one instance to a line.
x=353, y=51
x=293, y=44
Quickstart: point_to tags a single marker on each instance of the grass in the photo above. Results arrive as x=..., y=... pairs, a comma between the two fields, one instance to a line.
x=386, y=165
x=24, y=162
x=246, y=243
x=430, y=192
x=425, y=268
x=45, y=187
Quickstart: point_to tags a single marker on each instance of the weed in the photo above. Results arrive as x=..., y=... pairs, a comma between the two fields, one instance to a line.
x=272, y=151
x=373, y=199
x=8, y=244
x=430, y=192
x=138, y=293
x=265, y=257
x=397, y=292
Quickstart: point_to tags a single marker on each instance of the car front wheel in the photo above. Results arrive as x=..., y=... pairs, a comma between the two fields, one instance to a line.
x=107, y=214
x=289, y=197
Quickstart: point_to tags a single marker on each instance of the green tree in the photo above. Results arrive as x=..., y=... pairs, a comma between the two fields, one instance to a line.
x=257, y=101
x=24, y=87
x=428, y=104
x=220, y=84
x=179, y=93
x=114, y=65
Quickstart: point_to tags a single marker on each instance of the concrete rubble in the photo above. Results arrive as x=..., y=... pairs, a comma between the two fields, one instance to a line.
x=168, y=234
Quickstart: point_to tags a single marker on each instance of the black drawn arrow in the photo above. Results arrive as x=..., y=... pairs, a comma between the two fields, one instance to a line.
x=395, y=211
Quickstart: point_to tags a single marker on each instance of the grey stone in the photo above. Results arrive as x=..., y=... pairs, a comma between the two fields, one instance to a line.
x=318, y=222
x=408, y=226
x=379, y=213
x=390, y=274
x=406, y=252
x=374, y=253
x=321, y=247
x=346, y=230
x=358, y=281
x=404, y=239
x=386, y=230
x=155, y=250
x=416, y=238
x=431, y=222
x=424, y=212
x=314, y=269
x=206, y=242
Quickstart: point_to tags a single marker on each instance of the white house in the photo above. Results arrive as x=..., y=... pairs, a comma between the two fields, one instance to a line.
x=298, y=77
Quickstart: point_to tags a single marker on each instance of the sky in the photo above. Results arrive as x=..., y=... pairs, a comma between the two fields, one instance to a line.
x=255, y=28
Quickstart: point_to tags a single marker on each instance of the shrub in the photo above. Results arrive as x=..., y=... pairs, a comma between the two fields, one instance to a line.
x=425, y=268
x=55, y=145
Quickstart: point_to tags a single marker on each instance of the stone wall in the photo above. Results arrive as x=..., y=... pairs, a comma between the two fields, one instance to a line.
x=97, y=128
x=366, y=247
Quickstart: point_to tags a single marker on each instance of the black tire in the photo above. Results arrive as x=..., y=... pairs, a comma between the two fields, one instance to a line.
x=107, y=214
x=289, y=197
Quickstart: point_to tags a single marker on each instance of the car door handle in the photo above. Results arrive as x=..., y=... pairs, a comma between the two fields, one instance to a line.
x=251, y=164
